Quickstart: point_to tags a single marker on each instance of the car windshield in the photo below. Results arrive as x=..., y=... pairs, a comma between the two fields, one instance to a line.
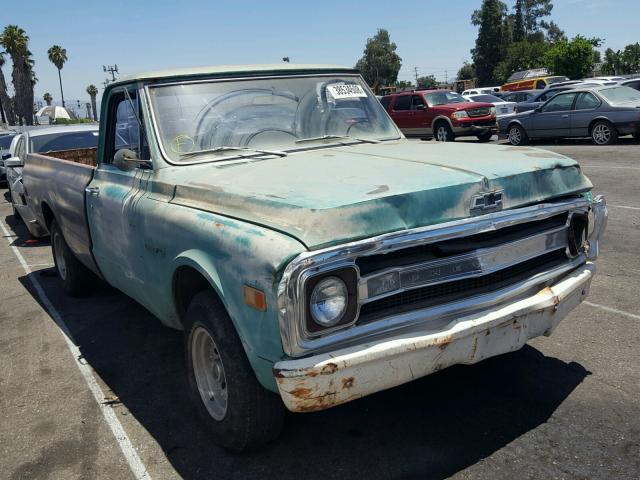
x=619, y=95
x=443, y=98
x=486, y=98
x=5, y=141
x=552, y=80
x=55, y=142
x=232, y=118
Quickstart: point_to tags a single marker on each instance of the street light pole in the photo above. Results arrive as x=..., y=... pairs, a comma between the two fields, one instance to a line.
x=112, y=70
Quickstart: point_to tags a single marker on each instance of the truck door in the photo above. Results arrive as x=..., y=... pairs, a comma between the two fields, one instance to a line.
x=112, y=196
x=402, y=114
x=421, y=120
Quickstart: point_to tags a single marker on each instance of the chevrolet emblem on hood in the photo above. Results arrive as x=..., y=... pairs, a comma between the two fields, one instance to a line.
x=485, y=202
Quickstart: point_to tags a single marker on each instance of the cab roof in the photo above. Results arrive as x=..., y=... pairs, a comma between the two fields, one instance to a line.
x=234, y=70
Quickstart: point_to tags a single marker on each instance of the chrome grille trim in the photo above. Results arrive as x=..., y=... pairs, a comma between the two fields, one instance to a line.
x=291, y=312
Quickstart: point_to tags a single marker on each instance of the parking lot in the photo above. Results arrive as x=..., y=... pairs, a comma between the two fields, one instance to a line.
x=564, y=407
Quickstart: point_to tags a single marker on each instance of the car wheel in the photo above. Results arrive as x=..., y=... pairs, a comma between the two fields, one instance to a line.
x=76, y=278
x=237, y=411
x=517, y=135
x=603, y=133
x=485, y=137
x=444, y=133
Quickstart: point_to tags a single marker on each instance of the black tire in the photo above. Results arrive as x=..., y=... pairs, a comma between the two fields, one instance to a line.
x=603, y=133
x=252, y=416
x=485, y=137
x=637, y=136
x=442, y=132
x=76, y=278
x=517, y=135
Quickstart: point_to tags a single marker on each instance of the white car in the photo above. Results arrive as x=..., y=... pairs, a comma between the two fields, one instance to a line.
x=502, y=107
x=481, y=91
x=42, y=140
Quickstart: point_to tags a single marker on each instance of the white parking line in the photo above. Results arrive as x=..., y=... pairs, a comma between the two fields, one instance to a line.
x=623, y=206
x=610, y=166
x=612, y=310
x=134, y=461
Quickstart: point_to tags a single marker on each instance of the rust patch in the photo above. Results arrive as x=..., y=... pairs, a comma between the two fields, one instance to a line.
x=301, y=392
x=312, y=374
x=277, y=373
x=347, y=382
x=379, y=189
x=443, y=342
x=329, y=368
x=218, y=225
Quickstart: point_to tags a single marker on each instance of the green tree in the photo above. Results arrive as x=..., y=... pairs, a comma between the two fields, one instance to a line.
x=467, y=71
x=6, y=106
x=403, y=84
x=92, y=90
x=380, y=63
x=58, y=56
x=554, y=32
x=520, y=56
x=573, y=58
x=534, y=12
x=612, y=62
x=428, y=81
x=489, y=44
x=16, y=43
x=630, y=58
x=519, y=32
x=47, y=98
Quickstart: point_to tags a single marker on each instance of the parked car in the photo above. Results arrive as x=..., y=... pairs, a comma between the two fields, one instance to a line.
x=440, y=114
x=632, y=83
x=524, y=82
x=503, y=107
x=5, y=143
x=521, y=96
x=481, y=91
x=53, y=141
x=602, y=113
x=310, y=253
x=544, y=95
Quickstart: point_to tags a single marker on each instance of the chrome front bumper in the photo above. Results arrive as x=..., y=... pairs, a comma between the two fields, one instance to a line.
x=325, y=380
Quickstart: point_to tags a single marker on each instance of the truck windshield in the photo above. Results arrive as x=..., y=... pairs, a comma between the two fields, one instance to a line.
x=278, y=114
x=56, y=142
x=443, y=98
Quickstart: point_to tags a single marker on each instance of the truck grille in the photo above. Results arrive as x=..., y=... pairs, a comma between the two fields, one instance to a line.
x=478, y=112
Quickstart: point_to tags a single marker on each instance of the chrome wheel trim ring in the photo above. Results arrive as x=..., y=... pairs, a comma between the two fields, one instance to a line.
x=209, y=373
x=601, y=134
x=515, y=137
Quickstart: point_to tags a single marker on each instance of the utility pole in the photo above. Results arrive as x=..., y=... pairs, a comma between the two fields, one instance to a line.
x=112, y=70
x=446, y=77
x=415, y=69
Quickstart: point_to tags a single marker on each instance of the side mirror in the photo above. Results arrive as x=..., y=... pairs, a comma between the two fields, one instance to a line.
x=13, y=162
x=537, y=109
x=6, y=156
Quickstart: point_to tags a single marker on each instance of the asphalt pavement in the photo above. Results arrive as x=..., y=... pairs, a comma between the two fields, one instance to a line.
x=95, y=387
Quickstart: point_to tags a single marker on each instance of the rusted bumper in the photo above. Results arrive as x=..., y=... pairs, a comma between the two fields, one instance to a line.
x=322, y=381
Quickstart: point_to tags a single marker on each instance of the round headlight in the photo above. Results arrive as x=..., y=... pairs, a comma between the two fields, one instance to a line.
x=328, y=302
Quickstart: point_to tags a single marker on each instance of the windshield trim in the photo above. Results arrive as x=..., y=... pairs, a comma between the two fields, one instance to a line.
x=337, y=143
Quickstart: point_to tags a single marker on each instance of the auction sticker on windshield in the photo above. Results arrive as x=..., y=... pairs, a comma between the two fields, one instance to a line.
x=346, y=91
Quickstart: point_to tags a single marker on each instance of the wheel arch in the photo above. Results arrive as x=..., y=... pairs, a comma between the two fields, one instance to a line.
x=601, y=119
x=47, y=215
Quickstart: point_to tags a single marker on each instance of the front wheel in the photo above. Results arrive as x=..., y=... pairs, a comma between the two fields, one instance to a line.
x=238, y=412
x=76, y=278
x=518, y=136
x=485, y=137
x=444, y=133
x=603, y=133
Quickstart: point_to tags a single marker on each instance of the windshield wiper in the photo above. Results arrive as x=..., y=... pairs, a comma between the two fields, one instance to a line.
x=337, y=137
x=226, y=148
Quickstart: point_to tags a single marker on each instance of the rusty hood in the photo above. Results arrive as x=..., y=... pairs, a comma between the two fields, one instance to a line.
x=328, y=196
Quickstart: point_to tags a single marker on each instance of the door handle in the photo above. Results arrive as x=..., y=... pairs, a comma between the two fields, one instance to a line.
x=94, y=191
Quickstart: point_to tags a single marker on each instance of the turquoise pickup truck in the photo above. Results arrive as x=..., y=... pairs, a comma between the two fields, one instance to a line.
x=310, y=253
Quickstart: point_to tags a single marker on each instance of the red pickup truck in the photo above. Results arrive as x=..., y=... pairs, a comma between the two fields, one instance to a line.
x=442, y=114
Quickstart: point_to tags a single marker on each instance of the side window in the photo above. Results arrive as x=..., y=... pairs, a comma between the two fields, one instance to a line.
x=20, y=150
x=587, y=101
x=559, y=103
x=541, y=84
x=543, y=98
x=124, y=130
x=385, y=101
x=403, y=102
x=417, y=102
x=635, y=85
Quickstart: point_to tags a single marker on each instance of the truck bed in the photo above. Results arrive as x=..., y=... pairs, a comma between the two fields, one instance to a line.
x=55, y=189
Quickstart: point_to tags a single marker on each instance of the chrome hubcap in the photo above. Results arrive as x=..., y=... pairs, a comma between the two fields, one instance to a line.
x=209, y=373
x=60, y=262
x=442, y=134
x=601, y=134
x=514, y=136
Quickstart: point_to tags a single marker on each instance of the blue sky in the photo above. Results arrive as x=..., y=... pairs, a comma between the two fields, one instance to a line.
x=140, y=35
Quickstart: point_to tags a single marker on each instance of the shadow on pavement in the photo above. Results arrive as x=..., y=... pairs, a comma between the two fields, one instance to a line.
x=430, y=428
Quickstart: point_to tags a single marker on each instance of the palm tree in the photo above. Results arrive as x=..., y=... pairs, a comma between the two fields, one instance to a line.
x=16, y=43
x=57, y=56
x=47, y=98
x=6, y=108
x=92, y=90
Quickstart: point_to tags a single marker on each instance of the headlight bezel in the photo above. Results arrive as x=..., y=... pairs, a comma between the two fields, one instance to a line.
x=459, y=115
x=349, y=277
